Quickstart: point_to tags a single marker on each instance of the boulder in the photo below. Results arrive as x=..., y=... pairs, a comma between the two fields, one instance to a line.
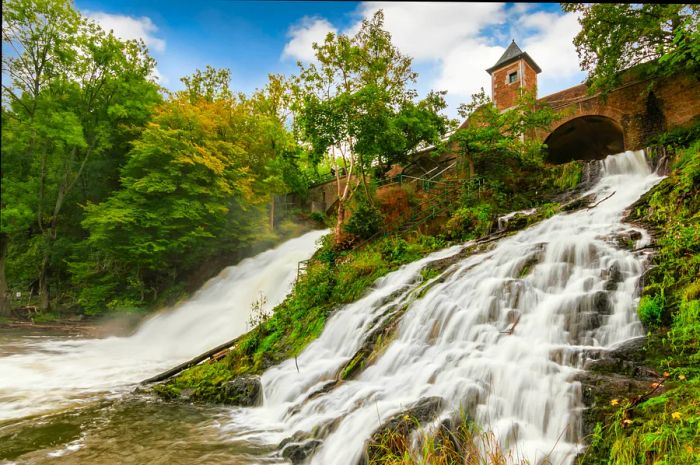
x=394, y=433
x=617, y=374
x=244, y=391
x=298, y=448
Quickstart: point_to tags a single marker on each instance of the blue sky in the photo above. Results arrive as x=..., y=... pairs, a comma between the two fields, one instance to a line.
x=451, y=43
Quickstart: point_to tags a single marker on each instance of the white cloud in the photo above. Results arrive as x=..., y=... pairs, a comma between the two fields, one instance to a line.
x=551, y=42
x=428, y=31
x=461, y=40
x=129, y=28
x=303, y=35
x=463, y=70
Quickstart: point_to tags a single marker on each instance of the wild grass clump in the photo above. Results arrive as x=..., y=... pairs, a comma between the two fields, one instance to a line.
x=466, y=444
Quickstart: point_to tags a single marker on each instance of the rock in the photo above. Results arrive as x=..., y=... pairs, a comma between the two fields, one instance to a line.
x=618, y=374
x=244, y=391
x=602, y=304
x=394, y=432
x=186, y=394
x=298, y=452
x=515, y=222
x=627, y=239
x=598, y=390
x=614, y=277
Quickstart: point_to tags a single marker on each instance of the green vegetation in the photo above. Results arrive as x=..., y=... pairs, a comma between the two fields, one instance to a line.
x=355, y=102
x=664, y=38
x=664, y=429
x=115, y=192
x=333, y=277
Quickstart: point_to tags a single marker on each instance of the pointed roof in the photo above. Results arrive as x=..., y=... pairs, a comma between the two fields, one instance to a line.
x=512, y=54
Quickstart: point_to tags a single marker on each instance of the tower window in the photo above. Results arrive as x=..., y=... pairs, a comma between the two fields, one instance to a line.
x=512, y=77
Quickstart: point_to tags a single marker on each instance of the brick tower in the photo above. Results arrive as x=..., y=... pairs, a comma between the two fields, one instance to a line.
x=514, y=72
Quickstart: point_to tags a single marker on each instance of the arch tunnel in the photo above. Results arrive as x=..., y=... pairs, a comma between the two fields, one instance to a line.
x=585, y=138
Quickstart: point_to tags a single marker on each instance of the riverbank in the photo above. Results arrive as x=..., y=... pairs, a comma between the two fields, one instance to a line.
x=87, y=329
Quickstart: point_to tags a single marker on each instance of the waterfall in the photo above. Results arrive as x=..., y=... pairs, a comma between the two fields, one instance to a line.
x=499, y=336
x=50, y=375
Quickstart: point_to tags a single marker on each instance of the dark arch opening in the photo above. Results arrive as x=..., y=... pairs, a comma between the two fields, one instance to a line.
x=585, y=138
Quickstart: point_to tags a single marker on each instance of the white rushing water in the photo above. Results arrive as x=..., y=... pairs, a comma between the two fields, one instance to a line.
x=50, y=375
x=562, y=286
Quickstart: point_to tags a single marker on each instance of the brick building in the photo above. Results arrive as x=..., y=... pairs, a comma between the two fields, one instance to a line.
x=512, y=74
x=593, y=126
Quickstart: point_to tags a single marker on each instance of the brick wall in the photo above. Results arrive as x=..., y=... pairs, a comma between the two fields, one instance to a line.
x=506, y=94
x=640, y=110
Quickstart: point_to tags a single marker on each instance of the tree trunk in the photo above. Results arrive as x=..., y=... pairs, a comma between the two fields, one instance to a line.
x=339, y=222
x=44, y=284
x=4, y=296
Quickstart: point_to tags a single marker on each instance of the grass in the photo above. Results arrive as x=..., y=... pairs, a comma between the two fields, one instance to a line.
x=464, y=444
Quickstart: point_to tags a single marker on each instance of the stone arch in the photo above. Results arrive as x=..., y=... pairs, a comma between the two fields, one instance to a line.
x=587, y=137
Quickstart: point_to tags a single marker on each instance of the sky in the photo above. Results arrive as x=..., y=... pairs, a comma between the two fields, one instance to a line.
x=451, y=43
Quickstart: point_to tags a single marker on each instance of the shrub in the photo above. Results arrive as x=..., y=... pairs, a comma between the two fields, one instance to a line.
x=650, y=310
x=365, y=221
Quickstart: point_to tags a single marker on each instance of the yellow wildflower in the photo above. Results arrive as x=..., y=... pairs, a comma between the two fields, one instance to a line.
x=614, y=402
x=681, y=377
x=676, y=415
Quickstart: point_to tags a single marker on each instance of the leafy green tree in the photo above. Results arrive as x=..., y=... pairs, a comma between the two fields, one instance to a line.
x=177, y=188
x=618, y=36
x=72, y=95
x=490, y=139
x=354, y=104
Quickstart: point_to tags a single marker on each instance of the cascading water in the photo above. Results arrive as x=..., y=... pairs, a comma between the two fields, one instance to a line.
x=499, y=337
x=50, y=375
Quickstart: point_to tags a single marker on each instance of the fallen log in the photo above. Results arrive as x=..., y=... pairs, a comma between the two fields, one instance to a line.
x=215, y=353
x=600, y=201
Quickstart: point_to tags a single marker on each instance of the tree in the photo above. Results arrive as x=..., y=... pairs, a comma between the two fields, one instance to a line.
x=491, y=138
x=73, y=93
x=355, y=104
x=618, y=36
x=194, y=186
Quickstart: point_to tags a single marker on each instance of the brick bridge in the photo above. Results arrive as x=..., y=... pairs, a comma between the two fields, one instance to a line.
x=593, y=126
